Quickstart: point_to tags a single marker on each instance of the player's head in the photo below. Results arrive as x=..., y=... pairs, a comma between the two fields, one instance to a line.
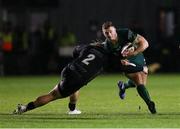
x=109, y=31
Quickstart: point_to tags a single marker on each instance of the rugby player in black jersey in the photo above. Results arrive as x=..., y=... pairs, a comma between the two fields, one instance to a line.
x=89, y=61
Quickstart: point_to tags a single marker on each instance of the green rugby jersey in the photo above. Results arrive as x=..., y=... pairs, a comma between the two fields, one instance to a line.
x=124, y=36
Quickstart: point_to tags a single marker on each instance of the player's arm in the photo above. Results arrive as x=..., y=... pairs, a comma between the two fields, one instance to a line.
x=140, y=43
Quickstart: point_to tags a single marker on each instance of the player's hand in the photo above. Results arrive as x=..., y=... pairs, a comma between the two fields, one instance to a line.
x=125, y=62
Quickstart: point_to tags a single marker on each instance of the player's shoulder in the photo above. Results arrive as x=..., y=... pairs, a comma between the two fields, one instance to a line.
x=124, y=31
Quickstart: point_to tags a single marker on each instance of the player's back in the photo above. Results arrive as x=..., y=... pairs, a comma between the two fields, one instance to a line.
x=90, y=62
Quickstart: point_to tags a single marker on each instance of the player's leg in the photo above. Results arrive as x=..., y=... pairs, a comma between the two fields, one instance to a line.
x=71, y=82
x=129, y=67
x=73, y=98
x=40, y=101
x=130, y=83
x=123, y=86
x=140, y=79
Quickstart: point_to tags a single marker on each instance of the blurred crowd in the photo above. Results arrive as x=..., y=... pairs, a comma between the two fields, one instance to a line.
x=31, y=52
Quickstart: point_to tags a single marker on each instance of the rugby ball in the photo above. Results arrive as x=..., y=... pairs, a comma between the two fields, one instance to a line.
x=127, y=47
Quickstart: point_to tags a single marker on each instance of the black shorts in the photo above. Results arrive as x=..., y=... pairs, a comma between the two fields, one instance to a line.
x=71, y=82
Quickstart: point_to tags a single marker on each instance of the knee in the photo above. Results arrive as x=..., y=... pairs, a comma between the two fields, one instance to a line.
x=55, y=94
x=140, y=79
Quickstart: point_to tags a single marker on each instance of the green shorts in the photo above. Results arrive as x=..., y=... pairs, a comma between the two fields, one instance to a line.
x=136, y=64
x=137, y=60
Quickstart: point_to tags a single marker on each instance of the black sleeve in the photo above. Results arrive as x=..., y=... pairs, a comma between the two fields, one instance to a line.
x=131, y=36
x=77, y=50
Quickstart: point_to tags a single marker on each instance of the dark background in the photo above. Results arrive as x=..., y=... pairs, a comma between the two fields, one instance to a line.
x=79, y=21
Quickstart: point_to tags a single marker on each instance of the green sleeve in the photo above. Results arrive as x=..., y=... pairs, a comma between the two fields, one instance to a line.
x=131, y=36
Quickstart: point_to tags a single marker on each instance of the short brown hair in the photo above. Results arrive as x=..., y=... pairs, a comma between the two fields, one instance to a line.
x=107, y=24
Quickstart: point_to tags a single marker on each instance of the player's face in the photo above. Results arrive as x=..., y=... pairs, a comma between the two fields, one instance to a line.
x=110, y=33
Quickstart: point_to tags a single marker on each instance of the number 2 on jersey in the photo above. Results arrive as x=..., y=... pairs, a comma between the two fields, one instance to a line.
x=89, y=58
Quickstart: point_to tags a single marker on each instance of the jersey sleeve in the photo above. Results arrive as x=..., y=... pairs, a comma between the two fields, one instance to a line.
x=131, y=36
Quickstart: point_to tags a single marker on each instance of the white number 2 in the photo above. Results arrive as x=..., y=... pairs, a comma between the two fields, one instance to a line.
x=89, y=58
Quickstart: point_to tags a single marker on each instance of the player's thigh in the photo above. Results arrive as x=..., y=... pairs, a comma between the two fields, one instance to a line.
x=144, y=77
x=138, y=78
x=70, y=85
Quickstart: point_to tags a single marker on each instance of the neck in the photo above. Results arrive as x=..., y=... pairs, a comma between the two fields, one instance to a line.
x=114, y=41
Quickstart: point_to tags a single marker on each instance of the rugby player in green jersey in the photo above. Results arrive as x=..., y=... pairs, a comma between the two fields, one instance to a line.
x=130, y=46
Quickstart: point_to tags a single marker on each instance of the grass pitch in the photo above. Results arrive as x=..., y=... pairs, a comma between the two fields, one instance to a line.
x=99, y=103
